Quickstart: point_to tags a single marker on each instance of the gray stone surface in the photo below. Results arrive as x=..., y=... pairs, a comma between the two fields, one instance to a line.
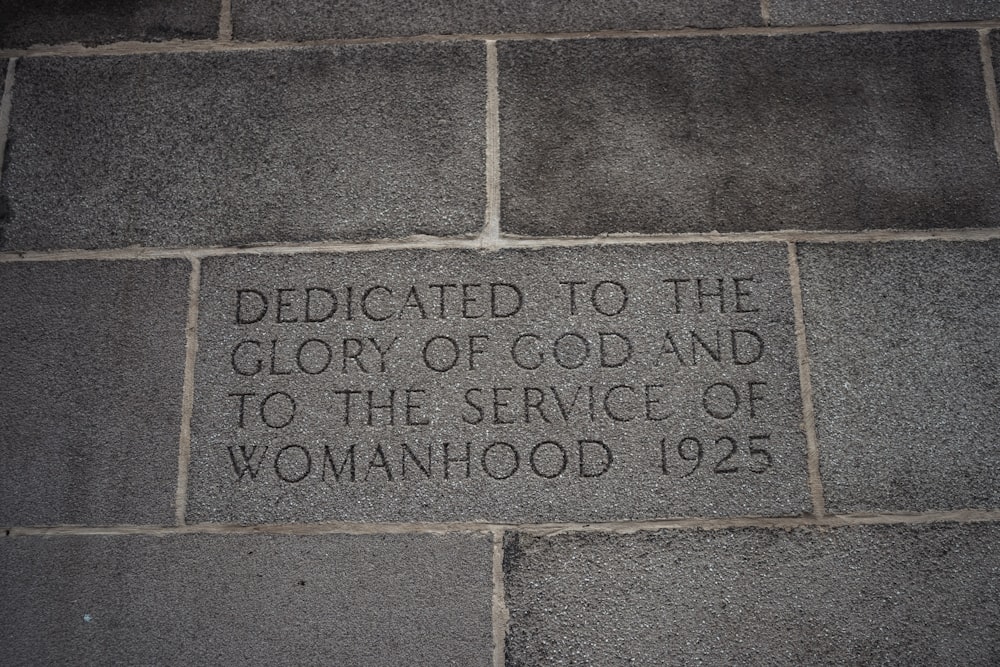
x=904, y=352
x=888, y=595
x=823, y=131
x=294, y=464
x=28, y=22
x=832, y=12
x=231, y=148
x=247, y=599
x=91, y=368
x=316, y=19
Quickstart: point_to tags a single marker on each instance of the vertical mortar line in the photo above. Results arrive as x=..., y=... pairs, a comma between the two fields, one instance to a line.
x=805, y=385
x=491, y=231
x=765, y=11
x=226, y=21
x=187, y=396
x=500, y=613
x=989, y=78
x=6, y=100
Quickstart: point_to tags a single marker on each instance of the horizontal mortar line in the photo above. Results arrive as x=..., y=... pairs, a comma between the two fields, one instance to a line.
x=491, y=528
x=142, y=252
x=507, y=241
x=777, y=236
x=75, y=49
x=786, y=523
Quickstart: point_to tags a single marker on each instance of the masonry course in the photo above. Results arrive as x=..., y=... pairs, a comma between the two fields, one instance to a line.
x=90, y=386
x=815, y=132
x=238, y=599
x=871, y=595
x=233, y=148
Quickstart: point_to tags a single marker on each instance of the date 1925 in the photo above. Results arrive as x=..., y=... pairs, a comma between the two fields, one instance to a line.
x=723, y=455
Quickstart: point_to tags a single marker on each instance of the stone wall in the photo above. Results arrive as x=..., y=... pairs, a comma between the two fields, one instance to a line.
x=500, y=333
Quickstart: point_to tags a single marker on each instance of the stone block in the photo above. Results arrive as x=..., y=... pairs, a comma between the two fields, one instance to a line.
x=581, y=384
x=815, y=132
x=904, y=354
x=25, y=23
x=233, y=148
x=825, y=12
x=318, y=19
x=888, y=595
x=247, y=599
x=91, y=370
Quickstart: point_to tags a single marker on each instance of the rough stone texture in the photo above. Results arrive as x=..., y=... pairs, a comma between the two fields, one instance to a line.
x=831, y=12
x=316, y=19
x=295, y=478
x=91, y=369
x=230, y=148
x=889, y=595
x=28, y=22
x=904, y=353
x=848, y=131
x=247, y=599
x=994, y=37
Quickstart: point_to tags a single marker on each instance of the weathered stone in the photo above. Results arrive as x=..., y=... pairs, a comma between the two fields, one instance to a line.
x=316, y=19
x=91, y=368
x=822, y=131
x=884, y=595
x=247, y=599
x=246, y=147
x=904, y=353
x=608, y=405
x=28, y=22
x=830, y=12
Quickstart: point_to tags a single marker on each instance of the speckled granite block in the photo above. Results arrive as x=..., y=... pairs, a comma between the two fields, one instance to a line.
x=904, y=353
x=317, y=19
x=91, y=367
x=831, y=12
x=247, y=599
x=887, y=595
x=29, y=22
x=246, y=147
x=816, y=132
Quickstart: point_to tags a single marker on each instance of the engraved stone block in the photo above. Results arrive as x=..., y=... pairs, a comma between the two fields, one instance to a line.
x=521, y=385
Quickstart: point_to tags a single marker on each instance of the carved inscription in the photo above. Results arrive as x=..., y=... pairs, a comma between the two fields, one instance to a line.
x=514, y=385
x=304, y=322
